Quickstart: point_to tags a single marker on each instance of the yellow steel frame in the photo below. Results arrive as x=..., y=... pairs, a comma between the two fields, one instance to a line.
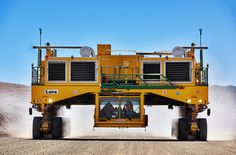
x=69, y=89
x=187, y=93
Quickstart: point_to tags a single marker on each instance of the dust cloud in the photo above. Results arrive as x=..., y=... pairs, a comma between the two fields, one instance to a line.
x=222, y=122
x=15, y=102
x=81, y=123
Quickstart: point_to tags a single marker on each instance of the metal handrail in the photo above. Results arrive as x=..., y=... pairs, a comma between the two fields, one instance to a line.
x=205, y=76
x=61, y=47
x=35, y=79
x=113, y=78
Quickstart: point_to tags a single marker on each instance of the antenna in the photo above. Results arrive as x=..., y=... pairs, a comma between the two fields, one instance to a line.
x=40, y=36
x=200, y=31
x=39, y=50
x=201, y=53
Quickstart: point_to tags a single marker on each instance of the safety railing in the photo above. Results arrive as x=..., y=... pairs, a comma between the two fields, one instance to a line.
x=35, y=79
x=131, y=81
x=128, y=78
x=205, y=76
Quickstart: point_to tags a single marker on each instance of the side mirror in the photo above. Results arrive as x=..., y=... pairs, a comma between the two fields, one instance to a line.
x=30, y=111
x=208, y=112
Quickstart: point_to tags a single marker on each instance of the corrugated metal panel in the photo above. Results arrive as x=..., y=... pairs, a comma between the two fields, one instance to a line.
x=83, y=71
x=178, y=71
x=151, y=68
x=56, y=71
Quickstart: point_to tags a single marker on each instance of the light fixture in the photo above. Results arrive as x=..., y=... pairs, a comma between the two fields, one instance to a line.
x=50, y=100
x=200, y=101
x=188, y=100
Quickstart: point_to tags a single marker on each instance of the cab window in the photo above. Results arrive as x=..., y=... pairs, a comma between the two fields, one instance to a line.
x=130, y=108
x=109, y=108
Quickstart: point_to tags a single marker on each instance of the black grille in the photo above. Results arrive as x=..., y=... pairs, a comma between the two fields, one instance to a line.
x=56, y=71
x=83, y=71
x=178, y=71
x=151, y=68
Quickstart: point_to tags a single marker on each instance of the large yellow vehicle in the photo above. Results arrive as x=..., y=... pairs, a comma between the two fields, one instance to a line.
x=119, y=86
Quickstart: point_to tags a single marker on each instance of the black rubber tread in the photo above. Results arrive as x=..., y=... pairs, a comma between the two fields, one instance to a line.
x=202, y=124
x=57, y=128
x=183, y=129
x=36, y=128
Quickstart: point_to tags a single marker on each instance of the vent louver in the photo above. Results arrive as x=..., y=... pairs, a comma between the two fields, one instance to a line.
x=56, y=71
x=83, y=71
x=151, y=68
x=178, y=71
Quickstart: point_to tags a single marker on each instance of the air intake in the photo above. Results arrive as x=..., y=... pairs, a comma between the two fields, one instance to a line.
x=83, y=71
x=178, y=71
x=56, y=71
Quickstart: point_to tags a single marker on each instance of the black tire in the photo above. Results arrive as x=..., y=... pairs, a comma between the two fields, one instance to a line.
x=57, y=128
x=183, y=129
x=36, y=128
x=202, y=124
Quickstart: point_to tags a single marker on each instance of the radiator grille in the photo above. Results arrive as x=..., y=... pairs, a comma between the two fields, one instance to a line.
x=83, y=71
x=178, y=71
x=56, y=71
x=151, y=68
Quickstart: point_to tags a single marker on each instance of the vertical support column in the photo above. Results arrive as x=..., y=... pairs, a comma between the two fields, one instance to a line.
x=193, y=123
x=99, y=71
x=39, y=65
x=190, y=112
x=39, y=50
x=142, y=110
x=201, y=67
x=201, y=59
x=162, y=63
x=68, y=66
x=39, y=57
x=96, y=118
x=43, y=108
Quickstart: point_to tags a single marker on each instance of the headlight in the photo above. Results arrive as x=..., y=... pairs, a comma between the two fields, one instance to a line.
x=50, y=100
x=188, y=100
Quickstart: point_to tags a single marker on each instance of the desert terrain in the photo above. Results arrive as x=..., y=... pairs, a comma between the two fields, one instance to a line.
x=88, y=145
x=15, y=129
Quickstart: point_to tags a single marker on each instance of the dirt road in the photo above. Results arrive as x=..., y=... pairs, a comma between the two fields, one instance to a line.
x=86, y=146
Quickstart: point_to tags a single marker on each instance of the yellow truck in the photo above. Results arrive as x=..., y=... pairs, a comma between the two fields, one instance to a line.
x=119, y=86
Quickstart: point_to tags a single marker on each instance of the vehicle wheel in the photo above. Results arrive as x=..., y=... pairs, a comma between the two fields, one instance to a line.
x=202, y=124
x=183, y=129
x=57, y=128
x=36, y=128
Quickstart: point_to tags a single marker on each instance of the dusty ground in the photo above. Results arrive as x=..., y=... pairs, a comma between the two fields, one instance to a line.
x=86, y=145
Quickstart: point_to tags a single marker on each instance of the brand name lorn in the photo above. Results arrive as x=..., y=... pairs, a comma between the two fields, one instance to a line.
x=50, y=91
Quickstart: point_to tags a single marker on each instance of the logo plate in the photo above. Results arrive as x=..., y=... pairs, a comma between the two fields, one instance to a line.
x=50, y=91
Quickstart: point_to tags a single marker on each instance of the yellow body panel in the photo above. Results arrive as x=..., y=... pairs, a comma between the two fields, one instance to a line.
x=63, y=92
x=104, y=49
x=43, y=71
x=193, y=93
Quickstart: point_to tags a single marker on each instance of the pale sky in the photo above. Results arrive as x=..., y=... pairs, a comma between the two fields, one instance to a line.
x=126, y=24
